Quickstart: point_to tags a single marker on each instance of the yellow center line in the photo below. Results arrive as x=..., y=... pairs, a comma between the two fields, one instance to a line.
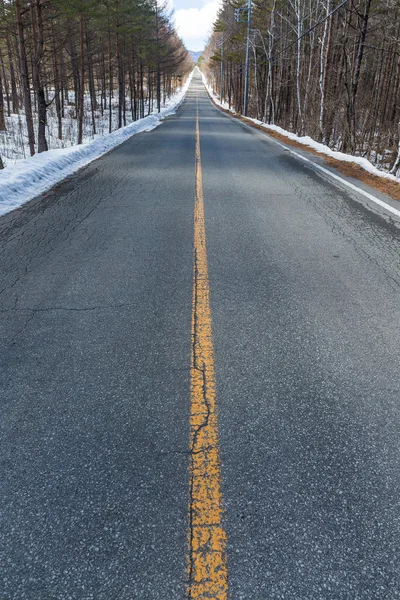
x=207, y=567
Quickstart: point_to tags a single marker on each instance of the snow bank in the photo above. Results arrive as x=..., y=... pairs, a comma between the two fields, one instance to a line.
x=29, y=178
x=322, y=149
x=307, y=141
x=215, y=98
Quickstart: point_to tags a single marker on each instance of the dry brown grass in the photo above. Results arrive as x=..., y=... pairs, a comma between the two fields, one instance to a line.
x=386, y=186
x=350, y=169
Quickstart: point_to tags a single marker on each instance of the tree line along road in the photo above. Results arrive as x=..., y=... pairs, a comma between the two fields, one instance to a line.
x=199, y=377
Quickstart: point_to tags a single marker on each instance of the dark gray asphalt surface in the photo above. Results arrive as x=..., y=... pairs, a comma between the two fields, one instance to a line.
x=95, y=300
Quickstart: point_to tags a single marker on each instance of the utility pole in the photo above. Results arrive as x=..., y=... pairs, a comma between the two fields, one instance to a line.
x=222, y=70
x=246, y=83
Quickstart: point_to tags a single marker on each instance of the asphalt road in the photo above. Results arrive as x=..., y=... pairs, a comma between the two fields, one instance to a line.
x=95, y=322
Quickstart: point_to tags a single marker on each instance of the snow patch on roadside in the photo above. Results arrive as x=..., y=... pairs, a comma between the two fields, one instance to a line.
x=31, y=177
x=308, y=141
x=214, y=96
x=322, y=149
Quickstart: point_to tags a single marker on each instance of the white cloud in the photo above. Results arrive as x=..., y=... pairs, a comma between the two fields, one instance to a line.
x=194, y=25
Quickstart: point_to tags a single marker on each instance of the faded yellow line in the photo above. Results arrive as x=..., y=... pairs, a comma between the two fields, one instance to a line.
x=207, y=569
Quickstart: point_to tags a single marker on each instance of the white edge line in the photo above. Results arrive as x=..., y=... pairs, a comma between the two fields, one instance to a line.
x=353, y=187
x=343, y=181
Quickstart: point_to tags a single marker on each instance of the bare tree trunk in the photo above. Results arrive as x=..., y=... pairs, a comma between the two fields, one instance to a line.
x=124, y=82
x=92, y=91
x=110, y=81
x=14, y=93
x=2, y=117
x=81, y=108
x=64, y=90
x=133, y=85
x=158, y=76
x=269, y=97
x=5, y=85
x=76, y=77
x=351, y=109
x=57, y=88
x=396, y=165
x=38, y=44
x=322, y=75
x=299, y=61
x=121, y=90
x=149, y=93
x=103, y=84
x=25, y=78
x=141, y=91
x=308, y=80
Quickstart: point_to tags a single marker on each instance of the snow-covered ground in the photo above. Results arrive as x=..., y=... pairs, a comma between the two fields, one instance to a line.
x=14, y=145
x=214, y=96
x=307, y=141
x=27, y=178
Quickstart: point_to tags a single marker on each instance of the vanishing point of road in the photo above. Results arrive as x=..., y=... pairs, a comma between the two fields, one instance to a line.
x=199, y=377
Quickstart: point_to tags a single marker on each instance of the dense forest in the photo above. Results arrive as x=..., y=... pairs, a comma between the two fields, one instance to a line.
x=72, y=68
x=329, y=69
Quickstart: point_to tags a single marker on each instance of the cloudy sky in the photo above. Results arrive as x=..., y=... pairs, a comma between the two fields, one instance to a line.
x=194, y=19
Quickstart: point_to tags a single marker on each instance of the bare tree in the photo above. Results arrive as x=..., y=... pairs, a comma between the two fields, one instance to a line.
x=326, y=68
x=23, y=64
